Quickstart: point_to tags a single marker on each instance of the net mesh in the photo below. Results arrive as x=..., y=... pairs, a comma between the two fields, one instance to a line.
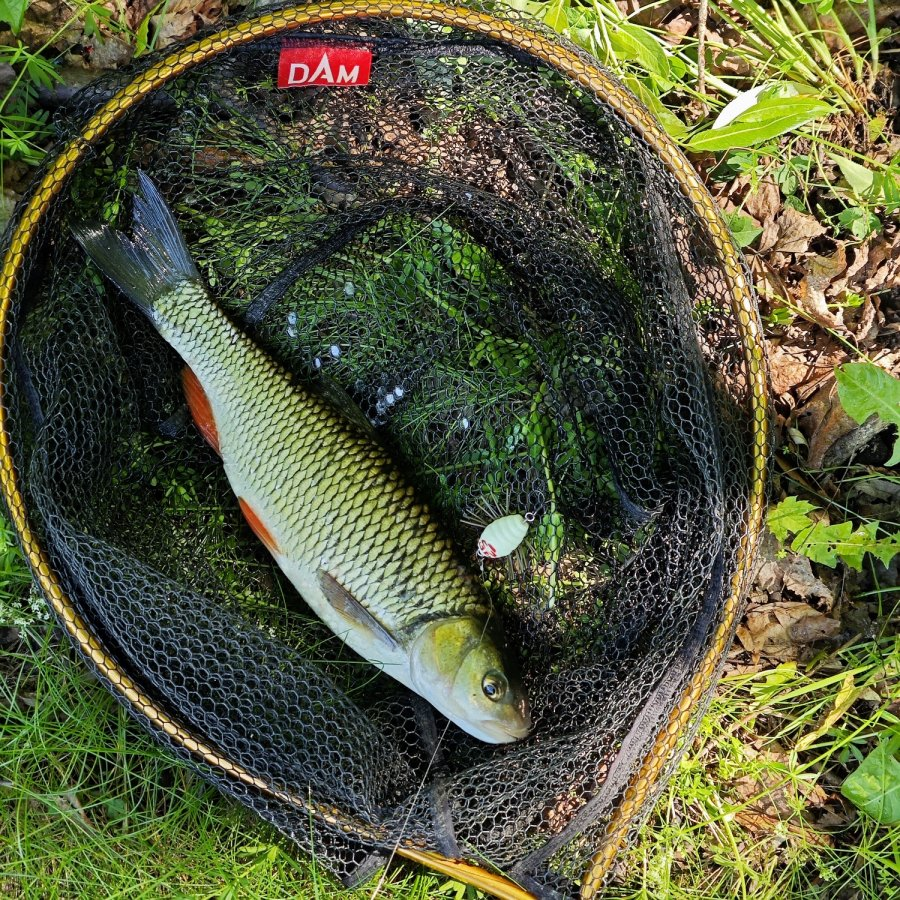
x=511, y=286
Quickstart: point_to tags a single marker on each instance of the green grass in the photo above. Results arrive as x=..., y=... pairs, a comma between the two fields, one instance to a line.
x=91, y=807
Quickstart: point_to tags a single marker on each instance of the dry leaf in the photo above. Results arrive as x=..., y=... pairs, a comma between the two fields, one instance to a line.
x=677, y=27
x=765, y=202
x=821, y=271
x=767, y=281
x=800, y=368
x=760, y=824
x=182, y=18
x=790, y=232
x=823, y=421
x=798, y=578
x=779, y=630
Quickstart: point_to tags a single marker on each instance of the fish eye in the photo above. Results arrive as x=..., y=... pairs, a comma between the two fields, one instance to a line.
x=494, y=685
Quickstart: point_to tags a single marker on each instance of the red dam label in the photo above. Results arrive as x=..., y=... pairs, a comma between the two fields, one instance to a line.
x=318, y=65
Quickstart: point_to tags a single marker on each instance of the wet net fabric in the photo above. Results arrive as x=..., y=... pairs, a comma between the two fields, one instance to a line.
x=511, y=287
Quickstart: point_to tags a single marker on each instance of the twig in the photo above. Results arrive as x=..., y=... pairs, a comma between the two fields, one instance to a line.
x=702, y=16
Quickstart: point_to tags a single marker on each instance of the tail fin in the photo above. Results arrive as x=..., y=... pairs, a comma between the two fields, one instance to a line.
x=149, y=264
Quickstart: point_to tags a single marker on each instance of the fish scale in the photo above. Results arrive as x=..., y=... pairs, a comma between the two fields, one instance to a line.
x=279, y=443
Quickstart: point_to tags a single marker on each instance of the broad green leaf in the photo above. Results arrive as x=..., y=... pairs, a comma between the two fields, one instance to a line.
x=852, y=550
x=819, y=542
x=859, y=222
x=742, y=228
x=857, y=176
x=766, y=120
x=888, y=184
x=13, y=13
x=555, y=15
x=864, y=389
x=672, y=124
x=789, y=517
x=751, y=97
x=875, y=786
x=877, y=125
x=633, y=44
x=886, y=548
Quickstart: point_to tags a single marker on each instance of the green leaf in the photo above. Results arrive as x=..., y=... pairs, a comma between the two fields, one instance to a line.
x=852, y=550
x=819, y=542
x=555, y=15
x=672, y=124
x=875, y=786
x=630, y=43
x=742, y=228
x=859, y=222
x=864, y=389
x=13, y=13
x=789, y=516
x=877, y=125
x=886, y=549
x=858, y=177
x=766, y=120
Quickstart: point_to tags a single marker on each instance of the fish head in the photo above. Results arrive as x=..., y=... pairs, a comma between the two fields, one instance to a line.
x=457, y=666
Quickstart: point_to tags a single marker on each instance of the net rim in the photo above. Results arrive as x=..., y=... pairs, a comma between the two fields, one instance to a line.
x=571, y=63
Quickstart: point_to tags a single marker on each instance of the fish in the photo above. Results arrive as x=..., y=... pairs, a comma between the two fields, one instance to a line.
x=320, y=490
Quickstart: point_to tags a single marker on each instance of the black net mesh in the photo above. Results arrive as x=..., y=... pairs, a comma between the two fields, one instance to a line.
x=513, y=289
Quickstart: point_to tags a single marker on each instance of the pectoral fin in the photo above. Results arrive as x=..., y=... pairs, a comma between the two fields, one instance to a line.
x=351, y=609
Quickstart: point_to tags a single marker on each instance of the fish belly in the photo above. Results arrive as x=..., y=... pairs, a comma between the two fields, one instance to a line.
x=395, y=662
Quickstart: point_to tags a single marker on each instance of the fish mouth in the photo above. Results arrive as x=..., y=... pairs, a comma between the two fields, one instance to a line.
x=496, y=733
x=507, y=732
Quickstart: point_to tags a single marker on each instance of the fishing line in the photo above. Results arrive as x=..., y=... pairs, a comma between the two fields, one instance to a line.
x=409, y=811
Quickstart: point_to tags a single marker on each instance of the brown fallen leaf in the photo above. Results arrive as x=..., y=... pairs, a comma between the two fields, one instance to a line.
x=799, y=365
x=781, y=630
x=823, y=421
x=767, y=280
x=790, y=232
x=798, y=578
x=182, y=18
x=759, y=823
x=764, y=203
x=821, y=271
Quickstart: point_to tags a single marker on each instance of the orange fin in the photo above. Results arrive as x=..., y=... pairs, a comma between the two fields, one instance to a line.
x=260, y=530
x=201, y=411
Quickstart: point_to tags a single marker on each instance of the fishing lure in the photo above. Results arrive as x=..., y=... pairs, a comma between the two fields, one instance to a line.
x=504, y=535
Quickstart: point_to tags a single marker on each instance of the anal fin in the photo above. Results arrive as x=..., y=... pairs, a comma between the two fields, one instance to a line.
x=343, y=602
x=201, y=410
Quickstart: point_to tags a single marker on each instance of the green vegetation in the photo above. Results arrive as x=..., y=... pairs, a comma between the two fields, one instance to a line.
x=91, y=807
x=752, y=810
x=793, y=91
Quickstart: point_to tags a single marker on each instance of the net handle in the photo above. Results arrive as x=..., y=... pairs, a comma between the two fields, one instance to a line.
x=569, y=62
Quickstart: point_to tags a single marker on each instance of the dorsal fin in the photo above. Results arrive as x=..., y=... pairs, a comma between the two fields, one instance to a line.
x=201, y=410
x=336, y=397
x=351, y=609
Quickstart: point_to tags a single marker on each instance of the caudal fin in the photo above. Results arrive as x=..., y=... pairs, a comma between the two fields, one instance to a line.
x=151, y=262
